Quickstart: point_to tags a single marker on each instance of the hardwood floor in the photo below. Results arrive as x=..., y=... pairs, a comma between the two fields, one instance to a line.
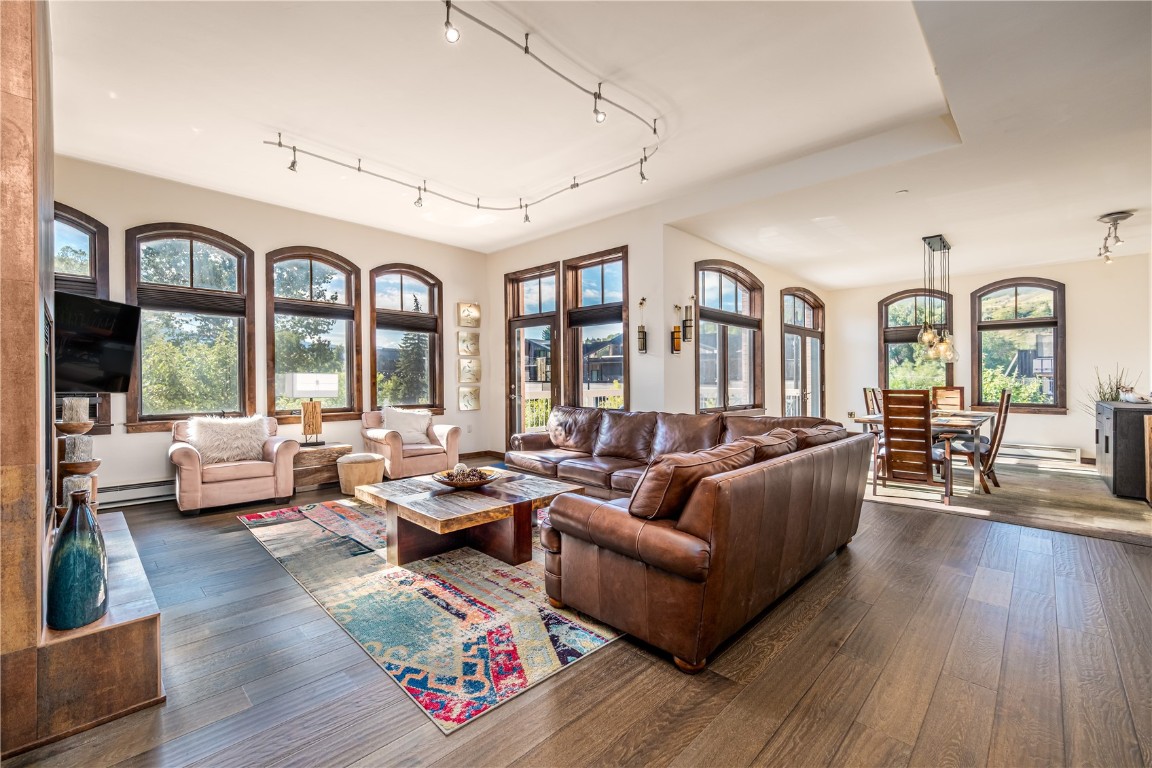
x=934, y=639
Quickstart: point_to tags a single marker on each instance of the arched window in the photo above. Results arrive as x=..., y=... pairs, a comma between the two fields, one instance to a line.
x=1018, y=344
x=904, y=363
x=802, y=352
x=596, y=329
x=80, y=247
x=313, y=333
x=729, y=347
x=197, y=324
x=408, y=354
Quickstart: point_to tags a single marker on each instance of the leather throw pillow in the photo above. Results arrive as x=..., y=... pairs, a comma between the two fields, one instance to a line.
x=778, y=442
x=220, y=439
x=808, y=437
x=670, y=480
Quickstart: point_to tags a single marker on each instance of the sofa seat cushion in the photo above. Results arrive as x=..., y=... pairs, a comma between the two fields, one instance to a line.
x=236, y=470
x=574, y=428
x=682, y=432
x=541, y=462
x=809, y=437
x=778, y=442
x=422, y=449
x=626, y=435
x=671, y=479
x=594, y=470
x=626, y=479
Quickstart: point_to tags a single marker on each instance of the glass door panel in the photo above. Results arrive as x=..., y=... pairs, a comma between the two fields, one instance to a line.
x=793, y=376
x=814, y=378
x=531, y=377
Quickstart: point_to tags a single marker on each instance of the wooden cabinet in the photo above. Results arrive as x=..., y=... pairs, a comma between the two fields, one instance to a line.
x=1121, y=456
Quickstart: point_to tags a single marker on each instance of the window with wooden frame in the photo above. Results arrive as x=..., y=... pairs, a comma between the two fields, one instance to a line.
x=596, y=329
x=531, y=346
x=802, y=353
x=729, y=345
x=197, y=324
x=80, y=265
x=903, y=361
x=313, y=333
x=408, y=349
x=1018, y=344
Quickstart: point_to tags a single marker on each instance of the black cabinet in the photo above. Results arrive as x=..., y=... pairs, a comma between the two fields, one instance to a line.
x=1120, y=457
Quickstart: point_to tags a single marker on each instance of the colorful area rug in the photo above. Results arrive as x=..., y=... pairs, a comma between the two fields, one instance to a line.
x=461, y=632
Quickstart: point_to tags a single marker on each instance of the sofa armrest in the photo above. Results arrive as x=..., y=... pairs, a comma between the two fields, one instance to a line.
x=607, y=524
x=188, y=481
x=372, y=419
x=277, y=449
x=185, y=457
x=531, y=441
x=389, y=438
x=447, y=436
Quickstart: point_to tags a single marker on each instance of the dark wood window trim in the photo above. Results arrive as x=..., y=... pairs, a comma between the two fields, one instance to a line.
x=753, y=320
x=182, y=299
x=97, y=286
x=576, y=316
x=513, y=316
x=818, y=310
x=432, y=321
x=1058, y=321
x=908, y=334
x=350, y=310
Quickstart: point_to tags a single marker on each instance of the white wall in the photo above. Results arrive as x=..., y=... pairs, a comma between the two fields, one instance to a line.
x=1108, y=324
x=121, y=199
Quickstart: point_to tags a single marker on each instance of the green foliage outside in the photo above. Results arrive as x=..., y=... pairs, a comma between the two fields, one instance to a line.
x=71, y=261
x=1001, y=364
x=910, y=368
x=407, y=381
x=536, y=410
x=611, y=402
x=190, y=363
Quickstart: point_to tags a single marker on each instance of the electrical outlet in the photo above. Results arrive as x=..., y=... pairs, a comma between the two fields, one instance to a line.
x=468, y=429
x=851, y=414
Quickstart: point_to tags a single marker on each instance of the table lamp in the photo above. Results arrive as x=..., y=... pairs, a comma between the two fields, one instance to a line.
x=312, y=385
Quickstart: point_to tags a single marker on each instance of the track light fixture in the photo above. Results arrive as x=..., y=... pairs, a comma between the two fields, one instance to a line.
x=526, y=219
x=598, y=113
x=451, y=34
x=292, y=165
x=644, y=159
x=1112, y=234
x=419, y=196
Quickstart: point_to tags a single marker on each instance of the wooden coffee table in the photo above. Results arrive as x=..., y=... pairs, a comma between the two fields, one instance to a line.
x=427, y=518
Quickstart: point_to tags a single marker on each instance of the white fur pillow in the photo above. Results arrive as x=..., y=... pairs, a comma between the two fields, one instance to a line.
x=221, y=439
x=412, y=425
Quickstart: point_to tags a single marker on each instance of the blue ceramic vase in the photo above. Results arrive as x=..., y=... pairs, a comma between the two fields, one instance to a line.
x=78, y=569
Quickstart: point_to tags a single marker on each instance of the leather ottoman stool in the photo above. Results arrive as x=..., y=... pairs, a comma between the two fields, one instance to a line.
x=359, y=469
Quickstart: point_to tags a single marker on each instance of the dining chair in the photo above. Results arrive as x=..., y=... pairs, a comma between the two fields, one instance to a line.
x=908, y=453
x=871, y=407
x=989, y=450
x=948, y=398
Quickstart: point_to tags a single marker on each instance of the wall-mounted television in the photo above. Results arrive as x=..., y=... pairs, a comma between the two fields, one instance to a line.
x=95, y=343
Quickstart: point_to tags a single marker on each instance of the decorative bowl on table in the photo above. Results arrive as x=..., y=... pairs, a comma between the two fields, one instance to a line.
x=465, y=477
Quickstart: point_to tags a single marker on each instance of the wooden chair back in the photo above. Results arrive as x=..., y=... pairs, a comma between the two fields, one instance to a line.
x=989, y=461
x=908, y=435
x=871, y=407
x=948, y=398
x=878, y=396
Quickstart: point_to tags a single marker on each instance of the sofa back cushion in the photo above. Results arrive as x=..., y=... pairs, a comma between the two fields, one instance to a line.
x=625, y=435
x=670, y=480
x=574, y=428
x=680, y=432
x=412, y=425
x=807, y=437
x=736, y=427
x=219, y=439
x=778, y=442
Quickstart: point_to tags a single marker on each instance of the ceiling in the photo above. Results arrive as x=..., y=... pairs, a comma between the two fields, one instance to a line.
x=1051, y=102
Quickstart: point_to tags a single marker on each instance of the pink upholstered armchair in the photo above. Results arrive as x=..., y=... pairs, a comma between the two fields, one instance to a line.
x=201, y=485
x=442, y=451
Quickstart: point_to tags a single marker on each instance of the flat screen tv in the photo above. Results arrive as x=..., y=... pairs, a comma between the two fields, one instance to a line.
x=95, y=343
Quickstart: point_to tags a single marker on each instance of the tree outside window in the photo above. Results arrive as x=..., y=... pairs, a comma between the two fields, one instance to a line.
x=407, y=361
x=904, y=363
x=729, y=347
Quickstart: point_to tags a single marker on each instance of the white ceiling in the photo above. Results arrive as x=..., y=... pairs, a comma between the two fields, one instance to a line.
x=1051, y=100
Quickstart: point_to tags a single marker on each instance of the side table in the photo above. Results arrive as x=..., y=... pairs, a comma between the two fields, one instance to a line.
x=314, y=466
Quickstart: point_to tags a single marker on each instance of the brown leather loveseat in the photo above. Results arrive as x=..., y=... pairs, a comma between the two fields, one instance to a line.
x=707, y=543
x=608, y=451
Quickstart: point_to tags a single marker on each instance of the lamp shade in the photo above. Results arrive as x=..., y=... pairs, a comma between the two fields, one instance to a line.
x=294, y=385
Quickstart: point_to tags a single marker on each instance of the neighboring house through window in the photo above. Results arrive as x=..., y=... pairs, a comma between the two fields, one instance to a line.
x=904, y=363
x=596, y=329
x=1018, y=344
x=197, y=324
x=313, y=332
x=533, y=336
x=408, y=356
x=729, y=346
x=802, y=352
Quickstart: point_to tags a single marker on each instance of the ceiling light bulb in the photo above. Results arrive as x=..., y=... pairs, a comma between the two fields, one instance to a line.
x=419, y=198
x=451, y=34
x=596, y=111
x=1107, y=257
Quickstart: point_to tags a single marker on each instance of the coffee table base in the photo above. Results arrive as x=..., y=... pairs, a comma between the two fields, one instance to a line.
x=509, y=540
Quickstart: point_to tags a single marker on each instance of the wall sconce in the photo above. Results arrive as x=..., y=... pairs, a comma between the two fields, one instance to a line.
x=689, y=319
x=641, y=334
x=675, y=339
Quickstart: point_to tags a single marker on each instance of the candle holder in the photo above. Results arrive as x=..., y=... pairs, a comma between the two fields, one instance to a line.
x=73, y=427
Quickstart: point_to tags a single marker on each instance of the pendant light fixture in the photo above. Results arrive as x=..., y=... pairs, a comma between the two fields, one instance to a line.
x=451, y=34
x=934, y=336
x=1112, y=239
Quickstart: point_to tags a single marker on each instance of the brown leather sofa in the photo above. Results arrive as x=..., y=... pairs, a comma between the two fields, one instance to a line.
x=689, y=578
x=608, y=451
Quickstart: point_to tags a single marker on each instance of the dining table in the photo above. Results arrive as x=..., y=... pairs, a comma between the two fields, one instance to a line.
x=966, y=422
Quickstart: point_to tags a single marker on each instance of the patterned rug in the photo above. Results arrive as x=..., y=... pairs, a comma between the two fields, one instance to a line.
x=461, y=632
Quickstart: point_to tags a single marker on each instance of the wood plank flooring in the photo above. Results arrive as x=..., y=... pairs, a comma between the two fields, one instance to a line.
x=935, y=639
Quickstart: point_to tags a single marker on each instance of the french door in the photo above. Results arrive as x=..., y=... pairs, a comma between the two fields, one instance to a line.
x=533, y=384
x=803, y=373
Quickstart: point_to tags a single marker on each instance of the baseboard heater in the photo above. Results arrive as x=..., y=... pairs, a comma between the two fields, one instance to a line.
x=129, y=494
x=1040, y=452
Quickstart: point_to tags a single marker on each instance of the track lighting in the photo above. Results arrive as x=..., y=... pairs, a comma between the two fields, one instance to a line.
x=598, y=113
x=643, y=178
x=451, y=34
x=419, y=197
x=292, y=165
x=1112, y=234
x=526, y=219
